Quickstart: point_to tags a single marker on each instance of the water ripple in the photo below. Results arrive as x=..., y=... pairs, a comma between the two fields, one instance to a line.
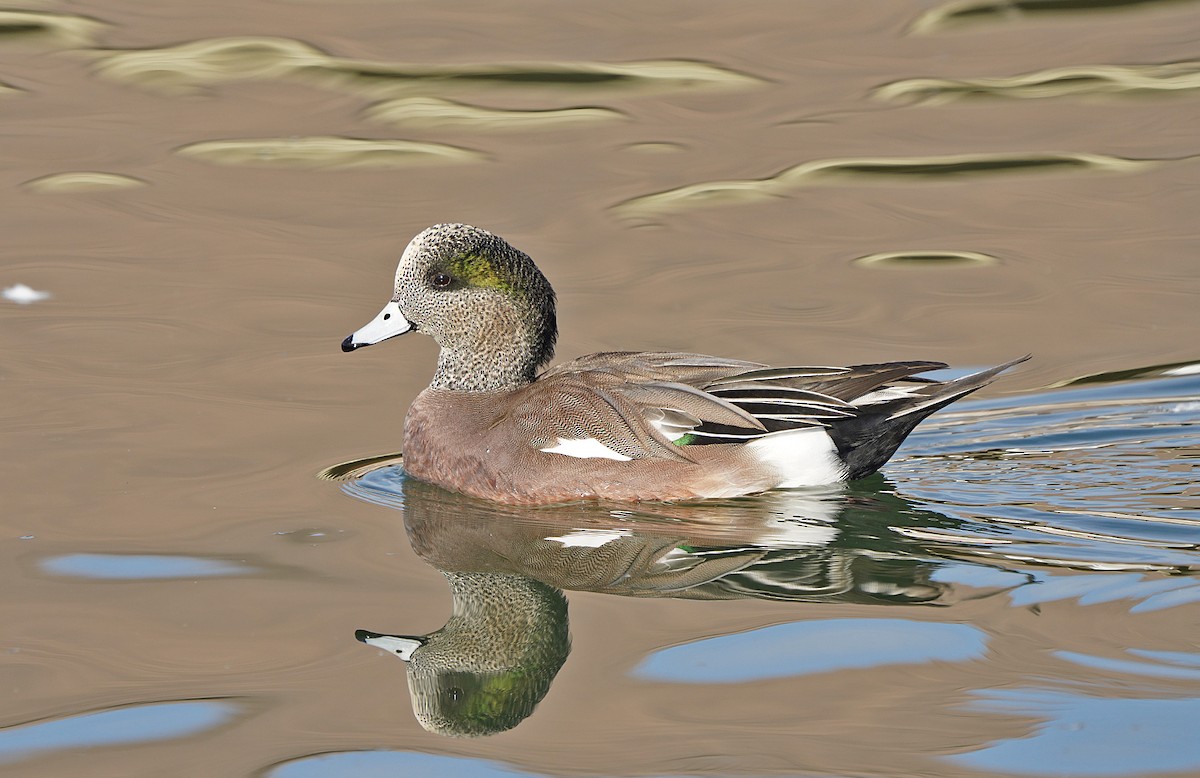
x=437, y=113
x=327, y=153
x=1098, y=477
x=970, y=12
x=48, y=29
x=868, y=169
x=1173, y=78
x=190, y=66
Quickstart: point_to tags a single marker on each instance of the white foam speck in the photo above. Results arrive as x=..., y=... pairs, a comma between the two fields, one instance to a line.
x=23, y=295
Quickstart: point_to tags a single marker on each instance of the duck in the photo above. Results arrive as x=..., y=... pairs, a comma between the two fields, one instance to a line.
x=497, y=424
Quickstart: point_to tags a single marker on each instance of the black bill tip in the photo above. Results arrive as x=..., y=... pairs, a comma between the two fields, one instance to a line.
x=349, y=345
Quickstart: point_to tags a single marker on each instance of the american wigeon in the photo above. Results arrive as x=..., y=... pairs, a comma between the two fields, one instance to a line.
x=620, y=425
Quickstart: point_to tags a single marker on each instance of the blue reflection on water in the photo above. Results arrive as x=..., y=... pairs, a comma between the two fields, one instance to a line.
x=805, y=647
x=381, y=764
x=124, y=567
x=1099, y=476
x=980, y=576
x=1155, y=670
x=1088, y=736
x=1185, y=658
x=1097, y=588
x=1168, y=599
x=122, y=726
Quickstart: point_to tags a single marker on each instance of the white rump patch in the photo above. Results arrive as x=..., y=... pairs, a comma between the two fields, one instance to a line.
x=820, y=505
x=804, y=457
x=585, y=448
x=796, y=533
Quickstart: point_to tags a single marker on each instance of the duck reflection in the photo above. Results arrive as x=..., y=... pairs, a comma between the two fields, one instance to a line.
x=507, y=637
x=493, y=661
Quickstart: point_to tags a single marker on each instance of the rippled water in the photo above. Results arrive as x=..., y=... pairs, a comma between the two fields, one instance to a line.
x=201, y=200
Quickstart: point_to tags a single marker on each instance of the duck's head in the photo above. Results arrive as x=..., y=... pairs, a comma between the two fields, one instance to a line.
x=485, y=303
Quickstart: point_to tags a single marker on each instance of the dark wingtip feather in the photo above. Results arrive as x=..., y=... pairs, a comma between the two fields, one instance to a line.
x=941, y=395
x=978, y=380
x=867, y=442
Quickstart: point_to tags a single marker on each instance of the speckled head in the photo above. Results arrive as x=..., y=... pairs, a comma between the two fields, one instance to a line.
x=485, y=303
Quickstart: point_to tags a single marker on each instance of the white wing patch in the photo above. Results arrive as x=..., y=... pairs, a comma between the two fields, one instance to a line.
x=590, y=538
x=585, y=448
x=805, y=457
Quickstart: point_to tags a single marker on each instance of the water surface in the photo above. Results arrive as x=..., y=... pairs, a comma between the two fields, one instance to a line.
x=201, y=200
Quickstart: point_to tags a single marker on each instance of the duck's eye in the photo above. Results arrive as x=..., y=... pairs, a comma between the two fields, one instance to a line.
x=441, y=280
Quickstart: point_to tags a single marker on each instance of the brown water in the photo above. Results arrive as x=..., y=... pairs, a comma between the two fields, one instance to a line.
x=822, y=182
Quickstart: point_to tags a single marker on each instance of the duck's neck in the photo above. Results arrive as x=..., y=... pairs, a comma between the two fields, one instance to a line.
x=471, y=370
x=504, y=356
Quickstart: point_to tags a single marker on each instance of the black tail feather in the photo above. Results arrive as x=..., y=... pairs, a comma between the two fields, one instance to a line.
x=867, y=441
